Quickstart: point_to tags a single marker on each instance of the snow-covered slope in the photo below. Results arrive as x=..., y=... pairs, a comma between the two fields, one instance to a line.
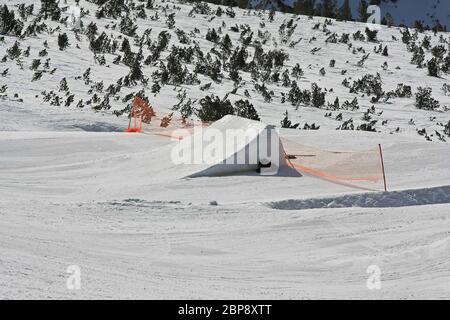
x=306, y=46
x=114, y=204
x=110, y=204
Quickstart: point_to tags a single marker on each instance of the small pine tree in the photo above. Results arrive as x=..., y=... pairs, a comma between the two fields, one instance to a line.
x=170, y=22
x=63, y=85
x=246, y=110
x=127, y=26
x=35, y=64
x=149, y=4
x=156, y=88
x=297, y=72
x=63, y=41
x=406, y=36
x=26, y=53
x=213, y=108
x=91, y=30
x=234, y=75
x=136, y=73
x=226, y=44
x=371, y=35
x=69, y=100
x=424, y=99
x=438, y=52
x=419, y=25
x=447, y=129
x=50, y=9
x=37, y=76
x=212, y=35
x=14, y=52
x=446, y=64
x=433, y=68
x=87, y=76
x=418, y=57
x=446, y=89
x=286, y=123
x=317, y=96
x=8, y=24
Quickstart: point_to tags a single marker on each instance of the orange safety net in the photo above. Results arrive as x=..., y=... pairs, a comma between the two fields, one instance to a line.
x=170, y=127
x=140, y=112
x=143, y=118
x=363, y=169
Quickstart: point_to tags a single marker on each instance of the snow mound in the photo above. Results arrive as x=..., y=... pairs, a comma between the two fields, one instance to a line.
x=404, y=198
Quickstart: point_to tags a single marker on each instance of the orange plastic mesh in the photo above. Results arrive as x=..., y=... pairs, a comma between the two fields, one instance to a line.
x=143, y=118
x=359, y=168
x=363, y=169
x=140, y=112
x=170, y=127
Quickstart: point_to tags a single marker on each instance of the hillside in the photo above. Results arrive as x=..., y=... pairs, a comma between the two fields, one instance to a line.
x=179, y=63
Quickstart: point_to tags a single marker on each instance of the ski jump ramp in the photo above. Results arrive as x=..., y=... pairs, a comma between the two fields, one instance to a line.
x=231, y=145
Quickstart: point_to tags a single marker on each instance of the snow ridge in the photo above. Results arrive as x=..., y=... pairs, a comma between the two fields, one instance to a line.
x=394, y=199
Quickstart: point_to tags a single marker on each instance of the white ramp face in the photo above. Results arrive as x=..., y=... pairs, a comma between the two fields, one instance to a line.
x=232, y=145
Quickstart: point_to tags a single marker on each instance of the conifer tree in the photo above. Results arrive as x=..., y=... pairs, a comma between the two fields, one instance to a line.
x=63, y=41
x=8, y=24
x=50, y=9
x=226, y=44
x=63, y=85
x=136, y=73
x=213, y=108
x=14, y=52
x=149, y=4
x=246, y=110
x=424, y=99
x=170, y=22
x=433, y=67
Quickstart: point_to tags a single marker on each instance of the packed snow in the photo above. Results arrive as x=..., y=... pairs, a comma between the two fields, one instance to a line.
x=77, y=191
